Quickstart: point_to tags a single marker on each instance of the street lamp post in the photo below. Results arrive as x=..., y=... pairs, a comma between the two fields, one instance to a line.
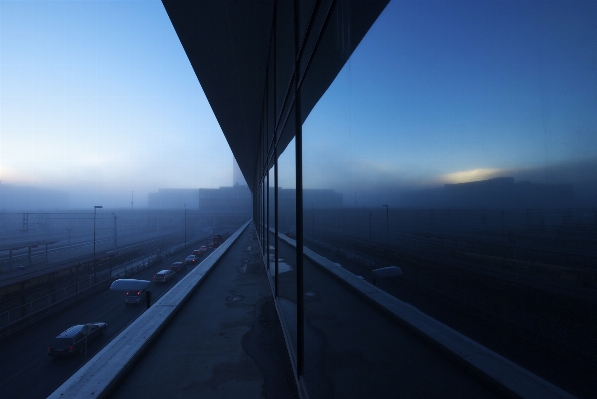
x=387, y=233
x=313, y=210
x=95, y=208
x=115, y=231
x=370, y=216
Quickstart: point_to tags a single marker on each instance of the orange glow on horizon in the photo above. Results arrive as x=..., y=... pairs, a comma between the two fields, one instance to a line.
x=467, y=176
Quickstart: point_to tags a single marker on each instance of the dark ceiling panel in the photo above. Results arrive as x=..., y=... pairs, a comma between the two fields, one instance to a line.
x=228, y=45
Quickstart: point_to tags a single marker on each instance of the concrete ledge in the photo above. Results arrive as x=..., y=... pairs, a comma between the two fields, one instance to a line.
x=497, y=370
x=101, y=373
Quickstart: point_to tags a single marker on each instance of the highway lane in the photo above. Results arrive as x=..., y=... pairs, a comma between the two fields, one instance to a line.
x=26, y=371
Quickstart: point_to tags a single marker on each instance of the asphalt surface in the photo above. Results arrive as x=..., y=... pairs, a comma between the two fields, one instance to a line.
x=440, y=292
x=354, y=350
x=225, y=342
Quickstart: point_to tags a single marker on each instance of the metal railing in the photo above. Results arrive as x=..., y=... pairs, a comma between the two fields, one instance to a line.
x=21, y=316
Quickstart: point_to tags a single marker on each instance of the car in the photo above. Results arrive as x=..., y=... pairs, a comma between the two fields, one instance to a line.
x=203, y=249
x=196, y=252
x=178, y=266
x=191, y=260
x=72, y=340
x=163, y=276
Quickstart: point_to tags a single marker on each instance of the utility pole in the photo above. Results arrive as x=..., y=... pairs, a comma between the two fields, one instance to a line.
x=313, y=211
x=387, y=234
x=95, y=208
x=115, y=231
x=25, y=222
x=369, y=228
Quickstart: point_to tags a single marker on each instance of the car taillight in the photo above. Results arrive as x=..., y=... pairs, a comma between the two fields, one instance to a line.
x=71, y=348
x=139, y=293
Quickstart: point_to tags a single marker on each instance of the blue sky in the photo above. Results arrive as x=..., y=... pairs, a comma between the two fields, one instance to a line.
x=443, y=92
x=98, y=98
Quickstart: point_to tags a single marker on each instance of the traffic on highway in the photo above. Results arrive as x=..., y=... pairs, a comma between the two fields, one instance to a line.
x=100, y=317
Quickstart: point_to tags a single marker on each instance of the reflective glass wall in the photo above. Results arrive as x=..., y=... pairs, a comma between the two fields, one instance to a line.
x=457, y=144
x=287, y=261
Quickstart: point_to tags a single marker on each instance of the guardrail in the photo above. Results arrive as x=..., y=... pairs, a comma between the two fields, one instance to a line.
x=511, y=379
x=100, y=375
x=24, y=315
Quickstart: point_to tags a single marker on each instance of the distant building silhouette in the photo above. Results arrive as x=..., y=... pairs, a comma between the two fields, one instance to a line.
x=502, y=192
x=25, y=198
x=312, y=198
x=238, y=199
x=499, y=192
x=223, y=199
x=226, y=199
x=237, y=175
x=174, y=198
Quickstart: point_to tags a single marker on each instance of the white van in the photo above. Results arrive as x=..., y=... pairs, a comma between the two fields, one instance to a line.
x=135, y=291
x=134, y=296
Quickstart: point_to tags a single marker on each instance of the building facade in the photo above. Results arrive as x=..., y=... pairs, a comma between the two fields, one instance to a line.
x=376, y=98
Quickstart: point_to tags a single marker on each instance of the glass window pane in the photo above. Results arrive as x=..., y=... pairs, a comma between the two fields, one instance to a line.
x=461, y=138
x=287, y=252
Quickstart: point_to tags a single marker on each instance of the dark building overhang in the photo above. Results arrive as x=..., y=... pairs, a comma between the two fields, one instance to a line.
x=230, y=45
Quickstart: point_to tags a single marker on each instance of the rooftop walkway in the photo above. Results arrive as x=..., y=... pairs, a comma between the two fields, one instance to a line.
x=216, y=334
x=223, y=340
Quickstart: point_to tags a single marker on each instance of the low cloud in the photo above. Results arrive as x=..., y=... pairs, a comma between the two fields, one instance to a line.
x=368, y=183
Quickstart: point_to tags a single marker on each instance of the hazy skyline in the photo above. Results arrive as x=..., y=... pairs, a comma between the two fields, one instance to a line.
x=98, y=99
x=450, y=92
